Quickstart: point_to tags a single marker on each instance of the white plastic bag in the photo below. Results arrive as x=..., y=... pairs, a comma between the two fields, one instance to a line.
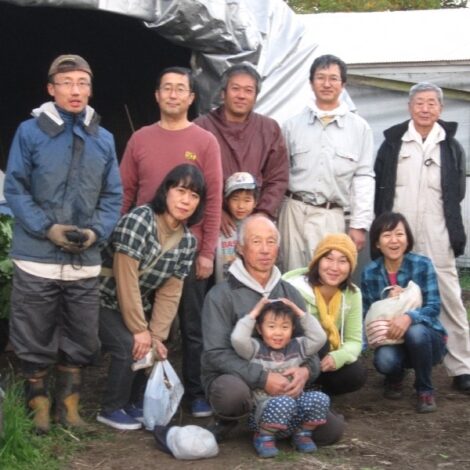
x=382, y=311
x=162, y=395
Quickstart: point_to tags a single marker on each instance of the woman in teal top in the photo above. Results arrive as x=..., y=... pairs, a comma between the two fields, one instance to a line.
x=336, y=302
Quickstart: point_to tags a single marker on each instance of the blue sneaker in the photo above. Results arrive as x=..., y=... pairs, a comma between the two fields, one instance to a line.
x=118, y=419
x=302, y=441
x=200, y=408
x=265, y=445
x=135, y=411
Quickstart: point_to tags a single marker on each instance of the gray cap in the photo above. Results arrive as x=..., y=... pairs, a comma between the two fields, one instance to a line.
x=69, y=63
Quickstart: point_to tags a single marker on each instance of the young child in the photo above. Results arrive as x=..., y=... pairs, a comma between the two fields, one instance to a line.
x=277, y=351
x=240, y=196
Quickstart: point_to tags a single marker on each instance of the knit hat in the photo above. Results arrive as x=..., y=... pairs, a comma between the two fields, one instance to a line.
x=69, y=63
x=240, y=180
x=336, y=241
x=186, y=442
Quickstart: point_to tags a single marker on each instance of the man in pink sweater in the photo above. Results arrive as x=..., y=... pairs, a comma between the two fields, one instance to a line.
x=151, y=153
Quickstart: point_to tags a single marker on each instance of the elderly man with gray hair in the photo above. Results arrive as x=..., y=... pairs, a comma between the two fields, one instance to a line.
x=229, y=379
x=420, y=172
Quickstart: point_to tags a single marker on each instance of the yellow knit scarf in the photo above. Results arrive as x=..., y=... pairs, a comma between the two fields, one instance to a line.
x=328, y=315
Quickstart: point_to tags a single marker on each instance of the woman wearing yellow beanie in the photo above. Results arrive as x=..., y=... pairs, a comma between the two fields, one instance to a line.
x=336, y=302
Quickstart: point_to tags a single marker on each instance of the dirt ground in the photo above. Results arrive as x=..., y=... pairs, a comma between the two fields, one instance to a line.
x=380, y=434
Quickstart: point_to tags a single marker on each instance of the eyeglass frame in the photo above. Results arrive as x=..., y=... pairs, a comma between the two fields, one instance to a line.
x=168, y=89
x=70, y=84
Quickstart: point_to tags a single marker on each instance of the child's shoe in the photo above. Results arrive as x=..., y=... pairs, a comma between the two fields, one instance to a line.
x=265, y=445
x=302, y=441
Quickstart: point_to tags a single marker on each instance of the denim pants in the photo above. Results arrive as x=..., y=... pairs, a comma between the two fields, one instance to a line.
x=423, y=348
x=123, y=385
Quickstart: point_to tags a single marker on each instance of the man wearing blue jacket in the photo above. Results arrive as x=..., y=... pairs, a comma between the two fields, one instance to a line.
x=63, y=187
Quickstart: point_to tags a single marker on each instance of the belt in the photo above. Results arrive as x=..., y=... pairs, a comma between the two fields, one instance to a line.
x=325, y=205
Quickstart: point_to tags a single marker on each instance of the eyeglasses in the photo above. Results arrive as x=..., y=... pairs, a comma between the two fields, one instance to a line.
x=69, y=84
x=325, y=78
x=179, y=90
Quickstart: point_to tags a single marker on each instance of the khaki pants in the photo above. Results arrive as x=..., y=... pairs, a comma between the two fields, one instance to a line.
x=454, y=319
x=302, y=227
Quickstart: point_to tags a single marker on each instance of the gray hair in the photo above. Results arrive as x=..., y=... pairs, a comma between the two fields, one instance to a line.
x=427, y=86
x=244, y=68
x=245, y=222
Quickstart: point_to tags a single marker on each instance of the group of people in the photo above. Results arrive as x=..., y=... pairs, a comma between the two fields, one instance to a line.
x=107, y=256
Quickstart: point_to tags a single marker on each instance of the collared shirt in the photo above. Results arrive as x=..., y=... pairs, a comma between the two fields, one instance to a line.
x=332, y=162
x=416, y=268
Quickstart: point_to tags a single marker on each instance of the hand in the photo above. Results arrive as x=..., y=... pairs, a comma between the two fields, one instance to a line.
x=327, y=364
x=398, y=326
x=142, y=344
x=227, y=224
x=204, y=267
x=276, y=384
x=358, y=236
x=295, y=308
x=297, y=377
x=56, y=234
x=395, y=291
x=258, y=307
x=161, y=352
x=91, y=238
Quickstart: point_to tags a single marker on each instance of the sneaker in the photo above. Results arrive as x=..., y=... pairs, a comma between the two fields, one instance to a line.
x=302, y=441
x=221, y=428
x=426, y=403
x=200, y=408
x=393, y=390
x=118, y=419
x=135, y=411
x=265, y=445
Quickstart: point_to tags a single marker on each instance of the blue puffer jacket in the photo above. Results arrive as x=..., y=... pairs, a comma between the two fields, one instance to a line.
x=62, y=168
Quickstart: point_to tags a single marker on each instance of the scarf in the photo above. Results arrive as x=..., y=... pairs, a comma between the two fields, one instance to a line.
x=328, y=315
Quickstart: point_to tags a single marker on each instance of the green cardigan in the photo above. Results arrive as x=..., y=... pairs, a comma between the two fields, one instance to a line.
x=349, y=321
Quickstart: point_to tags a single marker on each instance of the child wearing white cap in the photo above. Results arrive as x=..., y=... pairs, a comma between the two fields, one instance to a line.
x=240, y=196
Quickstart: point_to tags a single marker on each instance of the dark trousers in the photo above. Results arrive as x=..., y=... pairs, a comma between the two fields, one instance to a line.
x=230, y=398
x=189, y=312
x=123, y=385
x=347, y=379
x=53, y=321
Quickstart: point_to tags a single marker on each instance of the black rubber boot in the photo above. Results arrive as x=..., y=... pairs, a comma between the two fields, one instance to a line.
x=68, y=386
x=38, y=401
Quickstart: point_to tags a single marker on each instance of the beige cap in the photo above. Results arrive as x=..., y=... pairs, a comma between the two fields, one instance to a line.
x=69, y=63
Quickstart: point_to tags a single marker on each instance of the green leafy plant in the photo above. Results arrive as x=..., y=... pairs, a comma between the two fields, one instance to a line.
x=6, y=265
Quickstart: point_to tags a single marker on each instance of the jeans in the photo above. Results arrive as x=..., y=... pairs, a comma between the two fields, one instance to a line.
x=423, y=348
x=123, y=385
x=189, y=312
